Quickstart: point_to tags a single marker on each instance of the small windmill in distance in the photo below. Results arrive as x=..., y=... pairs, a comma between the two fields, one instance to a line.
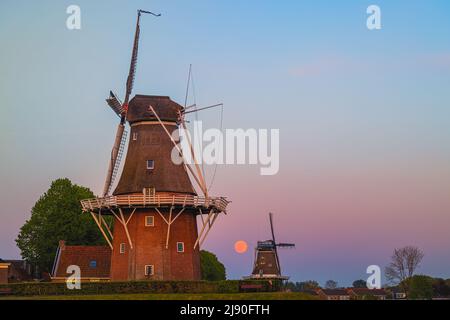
x=267, y=262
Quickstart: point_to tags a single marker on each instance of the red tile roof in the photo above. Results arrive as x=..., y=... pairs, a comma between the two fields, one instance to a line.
x=334, y=292
x=367, y=292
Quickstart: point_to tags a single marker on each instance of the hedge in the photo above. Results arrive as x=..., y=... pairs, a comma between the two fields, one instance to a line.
x=89, y=288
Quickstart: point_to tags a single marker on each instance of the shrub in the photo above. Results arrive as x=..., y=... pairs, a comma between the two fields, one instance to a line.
x=89, y=288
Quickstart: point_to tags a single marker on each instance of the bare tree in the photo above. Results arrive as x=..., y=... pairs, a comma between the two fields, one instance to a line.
x=404, y=262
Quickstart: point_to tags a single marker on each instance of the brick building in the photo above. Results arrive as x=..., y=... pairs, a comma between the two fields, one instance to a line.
x=333, y=294
x=94, y=262
x=4, y=269
x=15, y=271
x=366, y=293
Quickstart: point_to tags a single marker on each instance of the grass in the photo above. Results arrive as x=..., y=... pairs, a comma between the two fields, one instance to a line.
x=175, y=296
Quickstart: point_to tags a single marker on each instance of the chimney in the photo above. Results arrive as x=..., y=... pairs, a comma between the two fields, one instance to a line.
x=62, y=245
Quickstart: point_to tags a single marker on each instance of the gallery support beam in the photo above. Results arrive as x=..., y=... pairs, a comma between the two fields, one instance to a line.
x=124, y=223
x=169, y=222
x=206, y=227
x=99, y=224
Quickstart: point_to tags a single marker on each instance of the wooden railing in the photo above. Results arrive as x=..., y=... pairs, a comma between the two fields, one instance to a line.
x=158, y=200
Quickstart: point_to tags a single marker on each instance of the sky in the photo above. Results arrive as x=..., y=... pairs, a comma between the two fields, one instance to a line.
x=364, y=118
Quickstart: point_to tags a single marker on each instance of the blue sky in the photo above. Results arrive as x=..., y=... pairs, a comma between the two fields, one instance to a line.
x=363, y=116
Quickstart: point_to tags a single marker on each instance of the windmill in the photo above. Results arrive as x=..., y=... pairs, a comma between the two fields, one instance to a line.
x=267, y=262
x=154, y=204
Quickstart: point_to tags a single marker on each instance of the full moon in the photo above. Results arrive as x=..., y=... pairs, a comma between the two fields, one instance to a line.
x=240, y=246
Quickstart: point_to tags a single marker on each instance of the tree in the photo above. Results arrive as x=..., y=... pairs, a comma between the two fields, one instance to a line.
x=212, y=268
x=301, y=286
x=404, y=262
x=57, y=215
x=308, y=285
x=359, y=284
x=331, y=284
x=420, y=287
x=441, y=288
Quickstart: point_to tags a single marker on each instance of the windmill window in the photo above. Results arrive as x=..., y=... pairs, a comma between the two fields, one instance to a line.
x=180, y=246
x=93, y=263
x=149, y=270
x=122, y=248
x=135, y=136
x=149, y=221
x=150, y=164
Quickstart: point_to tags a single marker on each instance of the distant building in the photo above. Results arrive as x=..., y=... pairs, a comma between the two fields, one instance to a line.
x=333, y=294
x=94, y=262
x=366, y=293
x=15, y=271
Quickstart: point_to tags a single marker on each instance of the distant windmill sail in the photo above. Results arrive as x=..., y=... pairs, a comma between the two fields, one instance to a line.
x=274, y=243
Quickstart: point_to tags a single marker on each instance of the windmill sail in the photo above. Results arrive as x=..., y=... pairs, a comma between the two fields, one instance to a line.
x=274, y=243
x=121, y=109
x=133, y=63
x=134, y=57
x=114, y=103
x=114, y=153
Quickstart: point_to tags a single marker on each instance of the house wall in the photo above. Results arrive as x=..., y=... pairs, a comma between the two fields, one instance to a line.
x=4, y=273
x=149, y=247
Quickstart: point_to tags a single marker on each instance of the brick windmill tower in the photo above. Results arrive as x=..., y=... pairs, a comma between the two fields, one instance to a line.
x=154, y=205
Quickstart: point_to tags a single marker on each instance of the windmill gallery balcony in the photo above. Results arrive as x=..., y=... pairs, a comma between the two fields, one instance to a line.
x=218, y=204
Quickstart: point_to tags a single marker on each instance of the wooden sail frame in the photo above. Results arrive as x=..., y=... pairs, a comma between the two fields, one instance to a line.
x=199, y=179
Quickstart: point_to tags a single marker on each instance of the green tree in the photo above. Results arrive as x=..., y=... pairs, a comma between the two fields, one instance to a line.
x=331, y=284
x=307, y=285
x=359, y=284
x=420, y=287
x=290, y=286
x=301, y=286
x=441, y=288
x=212, y=268
x=57, y=216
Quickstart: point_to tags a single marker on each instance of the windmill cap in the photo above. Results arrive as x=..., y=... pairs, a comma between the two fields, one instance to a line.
x=166, y=108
